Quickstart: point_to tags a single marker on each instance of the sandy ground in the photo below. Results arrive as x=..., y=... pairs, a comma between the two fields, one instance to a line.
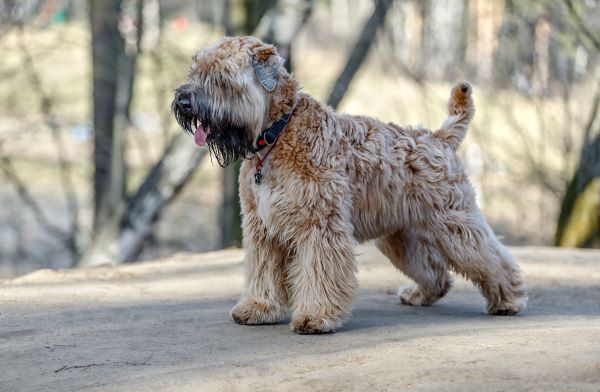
x=164, y=326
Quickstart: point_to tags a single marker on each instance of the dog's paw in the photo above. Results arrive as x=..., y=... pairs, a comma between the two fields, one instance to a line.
x=513, y=299
x=251, y=312
x=312, y=325
x=508, y=308
x=412, y=295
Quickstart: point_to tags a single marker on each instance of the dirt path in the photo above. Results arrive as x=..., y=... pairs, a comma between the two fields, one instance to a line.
x=165, y=326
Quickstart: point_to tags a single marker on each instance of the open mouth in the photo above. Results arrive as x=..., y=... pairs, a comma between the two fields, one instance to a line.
x=226, y=142
x=186, y=107
x=201, y=133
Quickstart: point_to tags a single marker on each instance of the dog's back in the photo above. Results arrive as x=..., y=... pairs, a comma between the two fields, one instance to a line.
x=414, y=169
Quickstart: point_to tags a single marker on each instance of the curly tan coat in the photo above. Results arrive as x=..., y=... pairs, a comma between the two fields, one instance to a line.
x=333, y=180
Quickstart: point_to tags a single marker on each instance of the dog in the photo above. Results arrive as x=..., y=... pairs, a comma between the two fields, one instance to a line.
x=314, y=183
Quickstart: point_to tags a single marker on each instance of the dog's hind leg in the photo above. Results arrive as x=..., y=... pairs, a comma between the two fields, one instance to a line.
x=474, y=251
x=417, y=257
x=265, y=298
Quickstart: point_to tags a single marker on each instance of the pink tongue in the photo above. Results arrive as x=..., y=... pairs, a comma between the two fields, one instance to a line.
x=200, y=136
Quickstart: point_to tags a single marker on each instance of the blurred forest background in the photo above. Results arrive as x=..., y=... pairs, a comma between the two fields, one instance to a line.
x=93, y=168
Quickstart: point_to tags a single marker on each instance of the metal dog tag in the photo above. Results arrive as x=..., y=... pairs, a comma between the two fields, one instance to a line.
x=258, y=177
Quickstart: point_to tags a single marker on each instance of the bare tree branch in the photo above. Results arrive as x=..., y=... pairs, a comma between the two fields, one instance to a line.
x=64, y=170
x=121, y=238
x=28, y=200
x=360, y=51
x=535, y=169
x=587, y=130
x=309, y=5
x=581, y=26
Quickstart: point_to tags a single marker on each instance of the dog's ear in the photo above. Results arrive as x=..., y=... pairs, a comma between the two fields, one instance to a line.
x=266, y=65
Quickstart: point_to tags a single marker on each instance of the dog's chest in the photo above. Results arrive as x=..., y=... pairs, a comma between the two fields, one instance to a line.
x=263, y=195
x=256, y=197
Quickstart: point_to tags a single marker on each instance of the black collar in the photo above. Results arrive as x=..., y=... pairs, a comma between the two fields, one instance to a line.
x=268, y=136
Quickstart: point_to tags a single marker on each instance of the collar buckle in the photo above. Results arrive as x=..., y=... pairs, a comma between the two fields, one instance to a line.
x=269, y=138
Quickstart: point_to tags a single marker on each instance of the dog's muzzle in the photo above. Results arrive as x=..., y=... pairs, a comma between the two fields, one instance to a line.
x=227, y=141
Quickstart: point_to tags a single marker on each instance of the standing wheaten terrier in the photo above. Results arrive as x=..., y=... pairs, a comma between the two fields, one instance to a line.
x=313, y=183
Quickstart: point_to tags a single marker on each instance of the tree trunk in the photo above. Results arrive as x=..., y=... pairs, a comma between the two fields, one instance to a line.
x=359, y=53
x=254, y=10
x=230, y=214
x=113, y=76
x=579, y=219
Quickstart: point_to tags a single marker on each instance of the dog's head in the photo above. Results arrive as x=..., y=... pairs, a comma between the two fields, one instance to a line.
x=227, y=98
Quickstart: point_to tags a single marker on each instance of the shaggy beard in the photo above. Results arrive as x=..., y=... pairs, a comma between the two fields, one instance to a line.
x=228, y=144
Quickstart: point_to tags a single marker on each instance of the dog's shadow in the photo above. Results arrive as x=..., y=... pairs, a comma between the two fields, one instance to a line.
x=465, y=309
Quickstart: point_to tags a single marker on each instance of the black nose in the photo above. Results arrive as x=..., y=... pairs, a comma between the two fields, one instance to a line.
x=184, y=102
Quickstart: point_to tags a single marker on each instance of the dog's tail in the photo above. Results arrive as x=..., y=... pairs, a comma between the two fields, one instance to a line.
x=460, y=113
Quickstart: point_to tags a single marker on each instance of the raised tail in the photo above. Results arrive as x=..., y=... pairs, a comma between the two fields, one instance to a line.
x=461, y=110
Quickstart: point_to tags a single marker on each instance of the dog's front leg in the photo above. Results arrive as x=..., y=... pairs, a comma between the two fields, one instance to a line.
x=264, y=300
x=322, y=277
